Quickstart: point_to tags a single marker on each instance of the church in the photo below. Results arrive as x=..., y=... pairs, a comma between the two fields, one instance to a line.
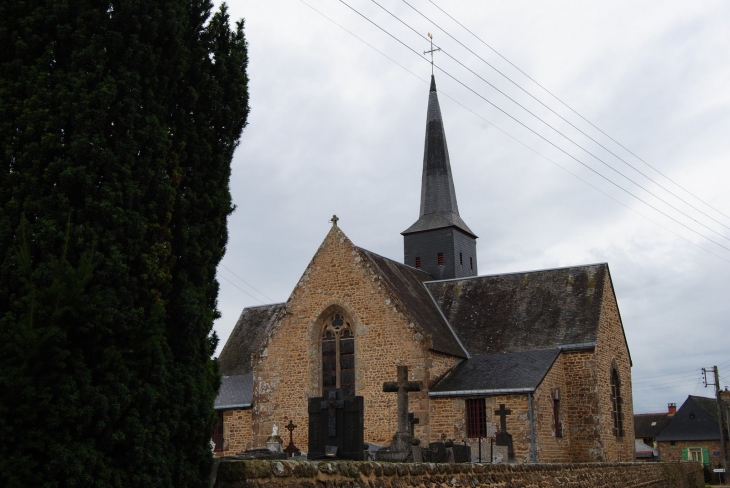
x=541, y=355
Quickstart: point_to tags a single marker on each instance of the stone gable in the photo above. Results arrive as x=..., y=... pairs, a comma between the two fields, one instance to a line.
x=287, y=366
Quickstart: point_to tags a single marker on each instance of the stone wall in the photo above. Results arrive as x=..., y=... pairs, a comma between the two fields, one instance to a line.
x=673, y=453
x=287, y=369
x=580, y=411
x=611, y=348
x=551, y=447
x=271, y=474
x=237, y=434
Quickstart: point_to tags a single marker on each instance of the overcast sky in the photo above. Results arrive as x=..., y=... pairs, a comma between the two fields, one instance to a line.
x=337, y=128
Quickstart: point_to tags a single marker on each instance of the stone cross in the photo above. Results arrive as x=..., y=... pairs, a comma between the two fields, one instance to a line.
x=502, y=412
x=334, y=220
x=331, y=404
x=402, y=387
x=291, y=448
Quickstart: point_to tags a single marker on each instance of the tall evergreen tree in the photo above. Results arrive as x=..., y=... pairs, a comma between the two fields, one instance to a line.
x=118, y=122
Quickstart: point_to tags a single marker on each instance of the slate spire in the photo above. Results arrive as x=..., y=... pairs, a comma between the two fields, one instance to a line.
x=439, y=242
x=438, y=196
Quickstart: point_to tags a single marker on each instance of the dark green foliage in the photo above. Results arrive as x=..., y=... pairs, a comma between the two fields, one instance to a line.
x=118, y=123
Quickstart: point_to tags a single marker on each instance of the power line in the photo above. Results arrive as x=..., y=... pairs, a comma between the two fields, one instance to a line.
x=562, y=134
x=513, y=137
x=533, y=131
x=234, y=274
x=668, y=374
x=575, y=112
x=247, y=293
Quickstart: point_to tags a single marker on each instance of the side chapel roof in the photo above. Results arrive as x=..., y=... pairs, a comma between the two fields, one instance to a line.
x=497, y=373
x=235, y=392
x=524, y=311
x=248, y=334
x=407, y=285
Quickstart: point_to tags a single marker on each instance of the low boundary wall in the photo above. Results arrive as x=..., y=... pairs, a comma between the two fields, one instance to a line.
x=234, y=473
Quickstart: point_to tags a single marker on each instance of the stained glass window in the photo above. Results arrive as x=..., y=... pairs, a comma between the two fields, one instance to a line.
x=338, y=356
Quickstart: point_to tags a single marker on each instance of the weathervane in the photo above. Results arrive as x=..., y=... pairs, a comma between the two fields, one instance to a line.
x=431, y=51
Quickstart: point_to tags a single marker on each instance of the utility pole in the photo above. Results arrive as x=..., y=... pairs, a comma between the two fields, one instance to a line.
x=719, y=413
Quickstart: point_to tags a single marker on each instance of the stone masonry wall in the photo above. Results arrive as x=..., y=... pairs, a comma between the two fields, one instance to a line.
x=552, y=448
x=610, y=347
x=448, y=416
x=272, y=474
x=237, y=434
x=580, y=410
x=669, y=453
x=287, y=369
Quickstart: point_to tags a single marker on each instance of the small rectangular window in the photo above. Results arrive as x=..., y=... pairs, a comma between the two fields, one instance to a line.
x=461, y=259
x=476, y=418
x=218, y=433
x=556, y=419
x=441, y=259
x=471, y=264
x=418, y=263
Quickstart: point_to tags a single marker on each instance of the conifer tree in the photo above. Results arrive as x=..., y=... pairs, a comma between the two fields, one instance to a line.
x=118, y=122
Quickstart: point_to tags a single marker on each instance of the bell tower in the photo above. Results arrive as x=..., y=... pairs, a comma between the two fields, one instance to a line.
x=439, y=243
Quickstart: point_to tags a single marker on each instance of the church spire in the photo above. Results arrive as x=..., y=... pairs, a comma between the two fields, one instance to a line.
x=439, y=242
x=438, y=196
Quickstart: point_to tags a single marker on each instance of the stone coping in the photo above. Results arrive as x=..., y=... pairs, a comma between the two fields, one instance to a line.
x=232, y=472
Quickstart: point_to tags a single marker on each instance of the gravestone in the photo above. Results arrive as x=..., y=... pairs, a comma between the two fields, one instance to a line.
x=402, y=448
x=503, y=437
x=336, y=427
x=291, y=450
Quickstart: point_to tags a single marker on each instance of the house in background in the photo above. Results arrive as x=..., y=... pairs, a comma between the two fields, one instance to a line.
x=693, y=434
x=644, y=452
x=647, y=426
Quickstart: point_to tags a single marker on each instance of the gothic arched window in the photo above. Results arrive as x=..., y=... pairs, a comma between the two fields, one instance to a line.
x=616, y=404
x=338, y=356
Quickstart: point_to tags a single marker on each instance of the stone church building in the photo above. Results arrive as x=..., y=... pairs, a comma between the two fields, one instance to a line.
x=541, y=354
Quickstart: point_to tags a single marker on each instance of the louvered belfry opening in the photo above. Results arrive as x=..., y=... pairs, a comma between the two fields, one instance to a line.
x=441, y=259
x=338, y=356
x=476, y=418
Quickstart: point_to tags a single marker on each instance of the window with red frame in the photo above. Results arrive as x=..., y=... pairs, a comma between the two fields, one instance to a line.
x=441, y=259
x=476, y=418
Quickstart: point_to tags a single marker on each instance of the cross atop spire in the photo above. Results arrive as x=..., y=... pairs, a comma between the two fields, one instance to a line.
x=430, y=36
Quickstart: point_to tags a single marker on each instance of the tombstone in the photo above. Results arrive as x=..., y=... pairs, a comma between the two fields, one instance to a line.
x=436, y=453
x=336, y=427
x=504, y=439
x=462, y=453
x=274, y=442
x=402, y=447
x=291, y=449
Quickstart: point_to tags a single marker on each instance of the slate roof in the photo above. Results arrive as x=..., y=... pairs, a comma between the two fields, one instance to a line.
x=438, y=196
x=650, y=425
x=248, y=334
x=406, y=283
x=695, y=420
x=644, y=451
x=497, y=373
x=524, y=311
x=235, y=392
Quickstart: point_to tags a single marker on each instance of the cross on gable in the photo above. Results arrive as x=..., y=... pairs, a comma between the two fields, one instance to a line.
x=402, y=387
x=502, y=412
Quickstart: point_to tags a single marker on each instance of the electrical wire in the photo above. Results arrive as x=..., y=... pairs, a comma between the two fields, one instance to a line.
x=511, y=136
x=575, y=112
x=234, y=274
x=563, y=118
x=559, y=132
x=533, y=131
x=247, y=293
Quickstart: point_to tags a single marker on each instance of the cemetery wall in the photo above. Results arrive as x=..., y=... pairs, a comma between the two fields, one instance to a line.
x=610, y=347
x=287, y=368
x=272, y=474
x=552, y=446
x=237, y=434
